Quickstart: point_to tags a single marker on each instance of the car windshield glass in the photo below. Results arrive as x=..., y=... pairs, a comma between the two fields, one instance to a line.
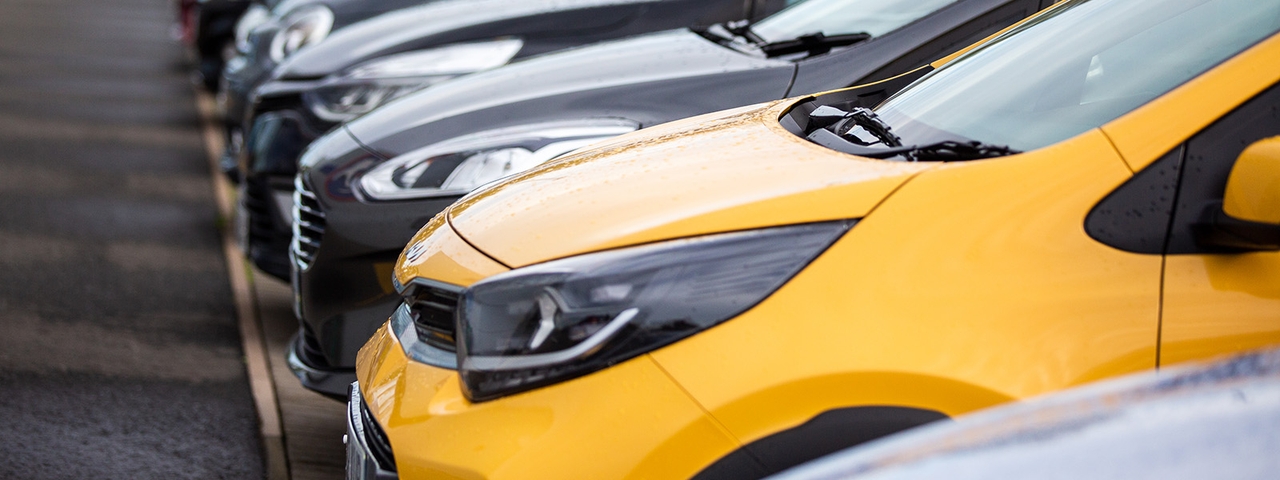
x=838, y=17
x=1074, y=69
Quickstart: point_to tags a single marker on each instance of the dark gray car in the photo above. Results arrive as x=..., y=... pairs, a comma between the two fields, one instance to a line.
x=269, y=32
x=366, y=188
x=367, y=64
x=209, y=26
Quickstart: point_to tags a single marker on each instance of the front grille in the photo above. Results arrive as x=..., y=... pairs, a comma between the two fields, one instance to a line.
x=308, y=224
x=432, y=310
x=265, y=233
x=256, y=198
x=376, y=439
x=310, y=351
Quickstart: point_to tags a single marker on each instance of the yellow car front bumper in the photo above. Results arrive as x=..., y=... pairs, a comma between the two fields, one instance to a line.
x=627, y=421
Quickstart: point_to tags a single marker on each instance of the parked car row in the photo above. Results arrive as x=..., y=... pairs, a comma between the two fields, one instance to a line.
x=533, y=111
x=209, y=28
x=719, y=239
x=362, y=67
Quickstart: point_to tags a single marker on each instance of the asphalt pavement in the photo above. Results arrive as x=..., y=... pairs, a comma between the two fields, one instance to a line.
x=119, y=350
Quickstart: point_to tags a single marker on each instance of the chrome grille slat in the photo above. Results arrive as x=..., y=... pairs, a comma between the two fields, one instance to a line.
x=305, y=193
x=308, y=242
x=306, y=209
x=308, y=224
x=318, y=229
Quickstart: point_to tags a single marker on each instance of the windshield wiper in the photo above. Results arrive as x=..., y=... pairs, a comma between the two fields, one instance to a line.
x=947, y=151
x=843, y=123
x=943, y=151
x=813, y=43
x=742, y=28
x=729, y=33
x=840, y=130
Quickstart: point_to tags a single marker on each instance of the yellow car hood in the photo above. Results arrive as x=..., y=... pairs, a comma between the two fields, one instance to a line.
x=731, y=170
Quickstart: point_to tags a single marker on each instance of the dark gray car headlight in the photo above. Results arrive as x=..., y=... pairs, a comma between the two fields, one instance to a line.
x=457, y=166
x=373, y=83
x=255, y=16
x=299, y=28
x=551, y=322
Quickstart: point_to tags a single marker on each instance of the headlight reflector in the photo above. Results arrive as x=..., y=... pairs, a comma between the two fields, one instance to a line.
x=343, y=102
x=555, y=321
x=255, y=16
x=301, y=27
x=459, y=165
x=450, y=60
x=371, y=84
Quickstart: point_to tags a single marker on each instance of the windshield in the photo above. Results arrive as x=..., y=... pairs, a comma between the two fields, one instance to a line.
x=838, y=17
x=1075, y=69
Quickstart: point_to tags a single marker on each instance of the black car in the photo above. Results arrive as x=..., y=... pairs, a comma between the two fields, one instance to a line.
x=1215, y=420
x=209, y=27
x=366, y=188
x=365, y=65
x=272, y=30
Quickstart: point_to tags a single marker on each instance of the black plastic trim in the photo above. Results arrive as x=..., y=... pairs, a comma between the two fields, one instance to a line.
x=1220, y=230
x=1136, y=217
x=322, y=379
x=796, y=120
x=830, y=431
x=369, y=454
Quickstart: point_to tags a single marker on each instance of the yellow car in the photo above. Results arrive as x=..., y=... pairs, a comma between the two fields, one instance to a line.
x=1095, y=191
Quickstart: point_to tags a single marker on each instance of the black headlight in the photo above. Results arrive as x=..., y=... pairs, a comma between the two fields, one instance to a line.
x=562, y=319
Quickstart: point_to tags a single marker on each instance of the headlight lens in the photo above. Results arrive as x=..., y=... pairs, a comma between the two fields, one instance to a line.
x=300, y=28
x=252, y=18
x=547, y=323
x=340, y=103
x=457, y=166
x=374, y=83
x=451, y=60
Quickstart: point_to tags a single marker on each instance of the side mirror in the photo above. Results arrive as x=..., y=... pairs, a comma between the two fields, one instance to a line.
x=1249, y=216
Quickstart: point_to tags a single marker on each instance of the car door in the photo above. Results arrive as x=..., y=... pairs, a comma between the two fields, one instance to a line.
x=1218, y=301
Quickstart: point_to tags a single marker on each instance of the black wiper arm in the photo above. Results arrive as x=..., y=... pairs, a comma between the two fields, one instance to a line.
x=834, y=128
x=711, y=33
x=729, y=33
x=842, y=122
x=952, y=151
x=944, y=151
x=813, y=43
x=742, y=28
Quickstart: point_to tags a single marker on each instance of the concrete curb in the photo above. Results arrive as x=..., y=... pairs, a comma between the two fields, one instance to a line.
x=261, y=383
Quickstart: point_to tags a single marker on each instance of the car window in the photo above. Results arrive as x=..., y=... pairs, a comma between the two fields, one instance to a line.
x=1208, y=160
x=1157, y=210
x=836, y=17
x=1075, y=69
x=915, y=54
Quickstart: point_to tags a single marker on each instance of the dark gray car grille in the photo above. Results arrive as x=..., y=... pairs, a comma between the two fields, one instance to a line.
x=308, y=224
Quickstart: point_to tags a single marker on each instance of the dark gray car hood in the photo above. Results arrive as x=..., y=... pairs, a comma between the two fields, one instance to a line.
x=645, y=59
x=423, y=26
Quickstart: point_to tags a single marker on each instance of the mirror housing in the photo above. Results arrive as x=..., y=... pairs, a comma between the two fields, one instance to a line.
x=1249, y=216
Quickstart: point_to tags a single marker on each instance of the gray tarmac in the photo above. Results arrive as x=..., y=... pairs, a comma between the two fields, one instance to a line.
x=119, y=351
